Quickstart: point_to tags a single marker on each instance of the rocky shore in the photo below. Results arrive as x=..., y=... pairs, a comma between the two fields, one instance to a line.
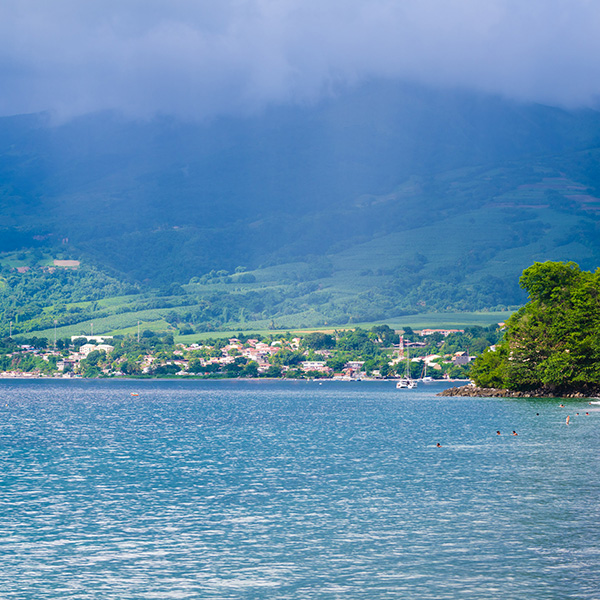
x=474, y=391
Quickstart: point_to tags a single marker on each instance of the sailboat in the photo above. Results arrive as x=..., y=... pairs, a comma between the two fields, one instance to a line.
x=424, y=378
x=406, y=382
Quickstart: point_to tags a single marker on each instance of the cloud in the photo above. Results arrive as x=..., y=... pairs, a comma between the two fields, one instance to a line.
x=196, y=59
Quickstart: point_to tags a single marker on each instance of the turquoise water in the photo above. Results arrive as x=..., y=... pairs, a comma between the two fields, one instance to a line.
x=294, y=490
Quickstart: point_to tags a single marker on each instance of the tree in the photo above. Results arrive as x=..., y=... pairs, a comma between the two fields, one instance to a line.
x=95, y=357
x=549, y=281
x=195, y=366
x=186, y=329
x=233, y=369
x=488, y=370
x=273, y=371
x=288, y=357
x=91, y=371
x=357, y=341
x=553, y=342
x=251, y=369
x=337, y=363
x=408, y=333
x=130, y=367
x=386, y=334
x=318, y=341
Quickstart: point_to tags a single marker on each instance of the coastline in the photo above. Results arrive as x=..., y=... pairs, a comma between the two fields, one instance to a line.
x=21, y=376
x=472, y=391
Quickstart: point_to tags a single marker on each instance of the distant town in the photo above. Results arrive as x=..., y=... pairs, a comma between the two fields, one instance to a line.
x=351, y=354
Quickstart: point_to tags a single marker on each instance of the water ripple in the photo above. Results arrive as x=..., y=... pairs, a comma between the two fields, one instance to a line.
x=292, y=490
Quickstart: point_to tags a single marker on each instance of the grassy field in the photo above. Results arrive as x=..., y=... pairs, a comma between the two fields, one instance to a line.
x=450, y=320
x=127, y=324
x=111, y=325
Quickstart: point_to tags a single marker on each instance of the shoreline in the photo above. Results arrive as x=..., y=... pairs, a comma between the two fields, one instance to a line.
x=472, y=391
x=201, y=378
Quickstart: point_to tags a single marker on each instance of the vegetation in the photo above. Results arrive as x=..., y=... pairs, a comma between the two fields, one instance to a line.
x=89, y=298
x=351, y=353
x=42, y=296
x=553, y=342
x=292, y=218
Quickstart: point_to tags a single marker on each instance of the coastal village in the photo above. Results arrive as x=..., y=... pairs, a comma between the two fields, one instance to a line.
x=348, y=355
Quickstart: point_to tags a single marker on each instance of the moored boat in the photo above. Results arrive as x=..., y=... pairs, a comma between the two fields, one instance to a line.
x=406, y=382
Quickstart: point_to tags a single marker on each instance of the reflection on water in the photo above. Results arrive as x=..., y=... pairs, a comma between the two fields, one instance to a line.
x=294, y=490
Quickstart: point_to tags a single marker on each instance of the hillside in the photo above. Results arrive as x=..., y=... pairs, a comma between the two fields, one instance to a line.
x=381, y=201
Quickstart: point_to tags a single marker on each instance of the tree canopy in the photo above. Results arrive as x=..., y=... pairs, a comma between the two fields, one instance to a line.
x=553, y=342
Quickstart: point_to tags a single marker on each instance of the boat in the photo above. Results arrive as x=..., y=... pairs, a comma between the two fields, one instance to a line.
x=406, y=382
x=424, y=377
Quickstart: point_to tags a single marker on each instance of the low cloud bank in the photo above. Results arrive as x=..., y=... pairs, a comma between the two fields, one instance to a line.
x=196, y=59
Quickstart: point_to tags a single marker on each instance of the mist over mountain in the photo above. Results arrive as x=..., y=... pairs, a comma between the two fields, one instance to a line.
x=404, y=189
x=196, y=59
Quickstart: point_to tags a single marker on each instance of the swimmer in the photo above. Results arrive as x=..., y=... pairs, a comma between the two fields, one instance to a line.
x=438, y=445
x=514, y=432
x=537, y=414
x=561, y=405
x=497, y=433
x=588, y=414
x=576, y=414
x=568, y=419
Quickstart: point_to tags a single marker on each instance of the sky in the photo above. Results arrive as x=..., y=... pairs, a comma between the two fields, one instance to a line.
x=195, y=59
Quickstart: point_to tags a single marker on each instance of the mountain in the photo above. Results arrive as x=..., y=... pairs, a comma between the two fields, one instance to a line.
x=384, y=198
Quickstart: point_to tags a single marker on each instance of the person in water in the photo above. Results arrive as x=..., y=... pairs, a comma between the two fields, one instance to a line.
x=438, y=445
x=497, y=433
x=514, y=432
x=568, y=419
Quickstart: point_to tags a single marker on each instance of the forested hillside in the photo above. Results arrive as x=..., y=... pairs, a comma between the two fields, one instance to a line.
x=379, y=201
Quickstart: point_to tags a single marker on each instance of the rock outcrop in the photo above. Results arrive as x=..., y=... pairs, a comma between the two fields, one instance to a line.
x=474, y=391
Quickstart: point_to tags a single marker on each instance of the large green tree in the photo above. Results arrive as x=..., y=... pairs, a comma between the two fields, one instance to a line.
x=553, y=342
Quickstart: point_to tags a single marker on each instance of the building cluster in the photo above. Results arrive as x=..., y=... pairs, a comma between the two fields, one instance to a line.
x=256, y=351
x=193, y=359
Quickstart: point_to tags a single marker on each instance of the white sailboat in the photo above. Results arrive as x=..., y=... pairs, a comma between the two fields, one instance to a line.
x=424, y=378
x=406, y=382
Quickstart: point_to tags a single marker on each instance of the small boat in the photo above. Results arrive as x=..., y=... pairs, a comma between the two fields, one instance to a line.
x=406, y=382
x=134, y=394
x=424, y=377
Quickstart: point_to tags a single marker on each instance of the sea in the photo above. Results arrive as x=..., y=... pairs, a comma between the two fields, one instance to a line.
x=294, y=490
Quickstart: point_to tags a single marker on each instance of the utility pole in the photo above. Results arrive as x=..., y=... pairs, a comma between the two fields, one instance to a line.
x=55, y=322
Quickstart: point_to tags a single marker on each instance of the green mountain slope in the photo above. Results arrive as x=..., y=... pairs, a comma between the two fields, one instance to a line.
x=380, y=201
